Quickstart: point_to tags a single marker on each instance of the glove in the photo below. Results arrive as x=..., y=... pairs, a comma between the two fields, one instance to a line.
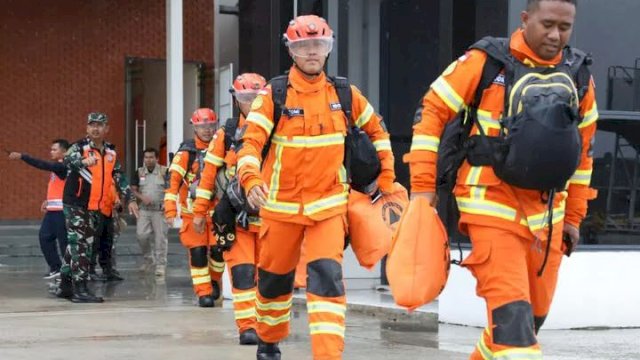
x=224, y=224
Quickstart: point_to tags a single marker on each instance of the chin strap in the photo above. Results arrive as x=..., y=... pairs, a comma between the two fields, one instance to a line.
x=306, y=73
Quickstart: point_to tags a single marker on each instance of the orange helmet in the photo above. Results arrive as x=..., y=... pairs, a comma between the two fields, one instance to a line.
x=308, y=33
x=246, y=86
x=204, y=116
x=248, y=81
x=307, y=27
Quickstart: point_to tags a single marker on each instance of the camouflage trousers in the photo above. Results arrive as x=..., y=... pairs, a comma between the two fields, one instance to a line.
x=82, y=228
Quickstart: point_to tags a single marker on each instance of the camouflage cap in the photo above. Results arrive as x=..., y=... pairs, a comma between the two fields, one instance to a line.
x=97, y=117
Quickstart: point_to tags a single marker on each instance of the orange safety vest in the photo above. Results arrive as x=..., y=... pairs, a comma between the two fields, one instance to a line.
x=101, y=179
x=55, y=188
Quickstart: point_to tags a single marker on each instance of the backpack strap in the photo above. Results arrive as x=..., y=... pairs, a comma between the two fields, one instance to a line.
x=345, y=96
x=279, y=85
x=230, y=128
x=190, y=147
x=499, y=59
x=579, y=62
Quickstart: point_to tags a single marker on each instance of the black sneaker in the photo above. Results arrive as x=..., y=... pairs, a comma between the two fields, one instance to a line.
x=52, y=275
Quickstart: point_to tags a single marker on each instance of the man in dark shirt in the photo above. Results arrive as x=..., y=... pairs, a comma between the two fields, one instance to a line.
x=52, y=227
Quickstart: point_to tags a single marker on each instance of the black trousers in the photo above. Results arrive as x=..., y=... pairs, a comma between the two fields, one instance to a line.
x=53, y=237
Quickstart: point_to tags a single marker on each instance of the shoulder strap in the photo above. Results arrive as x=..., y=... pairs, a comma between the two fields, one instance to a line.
x=497, y=48
x=190, y=147
x=345, y=96
x=579, y=62
x=279, y=86
x=498, y=59
x=230, y=132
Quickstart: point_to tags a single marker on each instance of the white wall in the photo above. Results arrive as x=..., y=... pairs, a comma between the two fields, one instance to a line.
x=595, y=289
x=364, y=46
x=228, y=27
x=191, y=97
x=364, y=72
x=155, y=100
x=227, y=45
x=364, y=49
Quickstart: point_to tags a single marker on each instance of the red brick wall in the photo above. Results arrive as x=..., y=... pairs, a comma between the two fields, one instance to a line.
x=60, y=60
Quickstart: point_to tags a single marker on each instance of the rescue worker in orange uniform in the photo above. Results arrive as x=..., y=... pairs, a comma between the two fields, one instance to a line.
x=206, y=264
x=509, y=225
x=242, y=256
x=302, y=191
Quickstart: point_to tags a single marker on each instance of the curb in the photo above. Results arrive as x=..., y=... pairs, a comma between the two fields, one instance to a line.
x=395, y=318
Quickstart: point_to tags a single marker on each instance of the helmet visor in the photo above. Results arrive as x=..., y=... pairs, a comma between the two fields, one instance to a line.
x=311, y=47
x=245, y=97
x=206, y=126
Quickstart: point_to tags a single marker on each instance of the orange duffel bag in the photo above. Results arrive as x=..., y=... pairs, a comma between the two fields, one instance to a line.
x=418, y=263
x=371, y=225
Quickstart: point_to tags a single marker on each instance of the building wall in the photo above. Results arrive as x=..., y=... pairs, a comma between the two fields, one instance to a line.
x=611, y=42
x=65, y=59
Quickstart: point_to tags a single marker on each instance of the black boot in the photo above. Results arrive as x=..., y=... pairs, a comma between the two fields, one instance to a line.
x=249, y=337
x=216, y=290
x=206, y=301
x=65, y=288
x=81, y=293
x=93, y=275
x=111, y=274
x=268, y=351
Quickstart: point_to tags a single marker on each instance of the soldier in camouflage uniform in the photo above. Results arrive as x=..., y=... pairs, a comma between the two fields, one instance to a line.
x=92, y=170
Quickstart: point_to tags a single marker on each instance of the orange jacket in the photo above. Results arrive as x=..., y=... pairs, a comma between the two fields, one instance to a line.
x=304, y=167
x=481, y=196
x=215, y=159
x=180, y=180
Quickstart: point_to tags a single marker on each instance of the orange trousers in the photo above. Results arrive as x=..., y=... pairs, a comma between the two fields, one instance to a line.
x=506, y=265
x=280, y=244
x=301, y=270
x=205, y=266
x=242, y=260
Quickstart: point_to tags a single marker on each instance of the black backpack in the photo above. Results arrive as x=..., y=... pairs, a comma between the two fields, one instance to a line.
x=194, y=155
x=537, y=116
x=361, y=157
x=456, y=144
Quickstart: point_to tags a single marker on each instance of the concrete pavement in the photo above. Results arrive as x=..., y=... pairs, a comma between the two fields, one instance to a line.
x=146, y=319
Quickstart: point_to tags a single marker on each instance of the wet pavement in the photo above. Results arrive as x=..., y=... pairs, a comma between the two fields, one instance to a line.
x=148, y=319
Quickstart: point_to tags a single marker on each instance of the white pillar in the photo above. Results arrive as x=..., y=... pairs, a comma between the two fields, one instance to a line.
x=175, y=92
